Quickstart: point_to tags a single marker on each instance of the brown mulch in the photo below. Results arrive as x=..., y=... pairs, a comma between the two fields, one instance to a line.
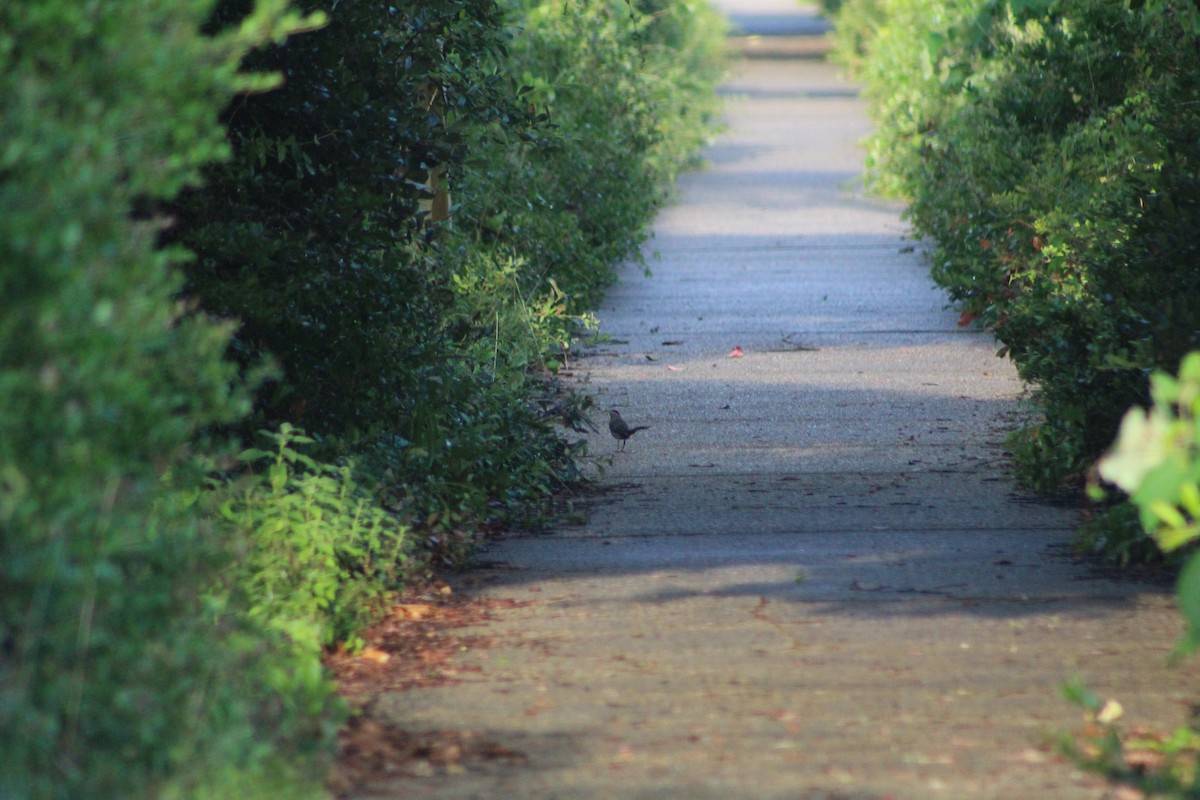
x=413, y=646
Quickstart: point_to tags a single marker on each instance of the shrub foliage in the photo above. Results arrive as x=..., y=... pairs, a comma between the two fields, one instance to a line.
x=120, y=675
x=1049, y=149
x=413, y=225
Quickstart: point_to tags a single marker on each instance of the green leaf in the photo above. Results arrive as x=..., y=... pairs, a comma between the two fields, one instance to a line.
x=1189, y=592
x=1176, y=536
x=1139, y=449
x=1168, y=514
x=278, y=476
x=253, y=454
x=1189, y=498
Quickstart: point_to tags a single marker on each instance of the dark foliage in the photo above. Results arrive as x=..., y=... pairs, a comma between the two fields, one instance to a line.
x=314, y=236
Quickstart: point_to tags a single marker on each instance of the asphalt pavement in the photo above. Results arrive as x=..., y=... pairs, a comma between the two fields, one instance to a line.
x=812, y=576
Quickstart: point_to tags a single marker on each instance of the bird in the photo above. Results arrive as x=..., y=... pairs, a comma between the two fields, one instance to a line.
x=620, y=428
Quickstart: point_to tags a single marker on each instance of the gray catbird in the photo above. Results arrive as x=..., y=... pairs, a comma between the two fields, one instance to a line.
x=620, y=429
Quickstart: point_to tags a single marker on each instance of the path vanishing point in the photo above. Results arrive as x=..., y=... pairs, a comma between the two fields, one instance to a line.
x=811, y=578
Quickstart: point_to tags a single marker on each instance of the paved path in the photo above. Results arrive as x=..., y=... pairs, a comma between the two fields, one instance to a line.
x=811, y=577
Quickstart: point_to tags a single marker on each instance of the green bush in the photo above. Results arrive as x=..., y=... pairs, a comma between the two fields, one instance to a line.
x=617, y=99
x=896, y=48
x=412, y=231
x=314, y=236
x=626, y=96
x=319, y=236
x=1048, y=147
x=120, y=673
x=320, y=555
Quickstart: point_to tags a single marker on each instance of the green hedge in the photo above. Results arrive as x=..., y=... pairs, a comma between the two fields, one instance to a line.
x=624, y=95
x=312, y=236
x=127, y=668
x=1048, y=147
x=411, y=339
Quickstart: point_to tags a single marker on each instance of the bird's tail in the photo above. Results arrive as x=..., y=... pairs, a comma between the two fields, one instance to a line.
x=637, y=428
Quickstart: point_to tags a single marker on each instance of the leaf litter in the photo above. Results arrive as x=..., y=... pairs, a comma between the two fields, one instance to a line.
x=415, y=645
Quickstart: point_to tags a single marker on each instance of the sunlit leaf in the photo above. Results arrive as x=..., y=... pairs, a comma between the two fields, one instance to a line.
x=1138, y=450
